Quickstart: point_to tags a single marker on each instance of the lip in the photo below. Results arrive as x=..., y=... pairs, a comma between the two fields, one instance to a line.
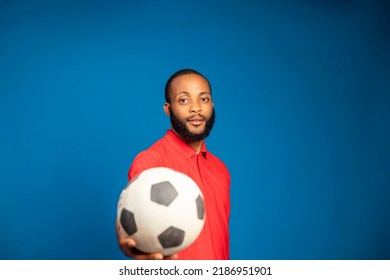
x=196, y=120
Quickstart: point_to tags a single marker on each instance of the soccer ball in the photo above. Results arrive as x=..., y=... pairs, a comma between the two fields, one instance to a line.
x=162, y=209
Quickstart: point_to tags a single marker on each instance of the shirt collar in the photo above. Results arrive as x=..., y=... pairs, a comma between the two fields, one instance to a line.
x=181, y=146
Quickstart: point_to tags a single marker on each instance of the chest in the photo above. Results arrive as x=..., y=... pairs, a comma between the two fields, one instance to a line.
x=209, y=176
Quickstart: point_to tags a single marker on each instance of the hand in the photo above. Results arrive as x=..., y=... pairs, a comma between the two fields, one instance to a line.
x=127, y=245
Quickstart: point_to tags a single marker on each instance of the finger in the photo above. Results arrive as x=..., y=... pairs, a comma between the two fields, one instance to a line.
x=171, y=257
x=127, y=246
x=139, y=255
x=126, y=242
x=154, y=256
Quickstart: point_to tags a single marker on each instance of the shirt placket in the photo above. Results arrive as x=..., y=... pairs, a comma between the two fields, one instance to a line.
x=199, y=169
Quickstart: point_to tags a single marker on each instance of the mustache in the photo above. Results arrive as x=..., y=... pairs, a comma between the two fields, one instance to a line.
x=196, y=117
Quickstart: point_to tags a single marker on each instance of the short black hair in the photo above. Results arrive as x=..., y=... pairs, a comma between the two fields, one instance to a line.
x=177, y=74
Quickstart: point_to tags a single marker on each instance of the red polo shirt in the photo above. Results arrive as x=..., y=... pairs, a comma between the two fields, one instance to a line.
x=212, y=177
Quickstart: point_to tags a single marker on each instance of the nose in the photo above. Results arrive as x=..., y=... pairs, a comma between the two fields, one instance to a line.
x=195, y=108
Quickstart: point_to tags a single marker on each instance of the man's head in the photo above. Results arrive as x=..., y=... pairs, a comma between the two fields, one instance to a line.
x=189, y=105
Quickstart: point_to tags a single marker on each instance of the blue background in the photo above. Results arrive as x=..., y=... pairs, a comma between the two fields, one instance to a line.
x=302, y=95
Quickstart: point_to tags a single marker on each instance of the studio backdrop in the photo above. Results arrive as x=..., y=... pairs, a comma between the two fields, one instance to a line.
x=302, y=99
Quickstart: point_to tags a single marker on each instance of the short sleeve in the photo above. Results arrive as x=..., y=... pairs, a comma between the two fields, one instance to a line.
x=143, y=161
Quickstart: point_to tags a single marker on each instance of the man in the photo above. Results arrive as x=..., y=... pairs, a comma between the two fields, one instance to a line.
x=191, y=111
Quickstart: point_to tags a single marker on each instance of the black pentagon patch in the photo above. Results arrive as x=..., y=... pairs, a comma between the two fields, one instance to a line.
x=127, y=221
x=163, y=193
x=200, y=207
x=172, y=237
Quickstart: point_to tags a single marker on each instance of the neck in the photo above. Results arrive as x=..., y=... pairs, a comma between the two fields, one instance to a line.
x=196, y=145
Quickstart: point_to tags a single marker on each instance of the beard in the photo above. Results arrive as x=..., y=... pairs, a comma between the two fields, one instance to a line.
x=188, y=136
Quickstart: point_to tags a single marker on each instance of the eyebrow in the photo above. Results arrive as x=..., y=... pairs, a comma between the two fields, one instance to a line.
x=187, y=93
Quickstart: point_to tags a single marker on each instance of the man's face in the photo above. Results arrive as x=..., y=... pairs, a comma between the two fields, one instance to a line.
x=191, y=109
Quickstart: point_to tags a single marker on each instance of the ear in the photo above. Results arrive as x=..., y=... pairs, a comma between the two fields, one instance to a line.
x=167, y=109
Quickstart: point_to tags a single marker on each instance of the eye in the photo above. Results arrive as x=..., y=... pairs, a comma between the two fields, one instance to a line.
x=183, y=100
x=205, y=99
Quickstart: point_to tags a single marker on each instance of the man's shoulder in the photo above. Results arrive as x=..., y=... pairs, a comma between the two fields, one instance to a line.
x=149, y=158
x=219, y=168
x=154, y=150
x=152, y=153
x=147, y=155
x=217, y=161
